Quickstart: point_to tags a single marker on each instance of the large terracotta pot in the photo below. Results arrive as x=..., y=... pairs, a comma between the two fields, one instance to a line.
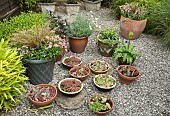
x=45, y=103
x=125, y=79
x=78, y=45
x=136, y=26
x=82, y=78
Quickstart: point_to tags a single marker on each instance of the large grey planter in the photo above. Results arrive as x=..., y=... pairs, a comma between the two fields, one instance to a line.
x=48, y=7
x=39, y=71
x=72, y=9
x=92, y=6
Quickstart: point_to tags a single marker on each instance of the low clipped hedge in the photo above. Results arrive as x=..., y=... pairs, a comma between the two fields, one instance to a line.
x=25, y=21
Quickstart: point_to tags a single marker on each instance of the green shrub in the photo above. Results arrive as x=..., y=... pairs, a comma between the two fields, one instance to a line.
x=24, y=21
x=81, y=27
x=11, y=76
x=27, y=3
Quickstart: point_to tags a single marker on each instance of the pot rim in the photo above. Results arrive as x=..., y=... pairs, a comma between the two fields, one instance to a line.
x=70, y=65
x=120, y=66
x=94, y=80
x=70, y=93
x=110, y=100
x=42, y=85
x=109, y=67
x=76, y=67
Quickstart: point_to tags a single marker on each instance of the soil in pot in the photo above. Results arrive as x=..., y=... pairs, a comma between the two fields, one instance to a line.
x=127, y=73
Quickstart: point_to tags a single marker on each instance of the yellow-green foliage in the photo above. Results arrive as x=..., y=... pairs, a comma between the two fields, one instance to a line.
x=11, y=76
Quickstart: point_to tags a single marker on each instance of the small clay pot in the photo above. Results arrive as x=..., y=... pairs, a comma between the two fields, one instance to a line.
x=45, y=103
x=99, y=72
x=70, y=93
x=125, y=79
x=104, y=112
x=101, y=87
x=71, y=61
x=59, y=57
x=82, y=78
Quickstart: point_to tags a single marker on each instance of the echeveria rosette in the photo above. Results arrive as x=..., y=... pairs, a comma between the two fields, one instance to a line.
x=44, y=51
x=133, y=11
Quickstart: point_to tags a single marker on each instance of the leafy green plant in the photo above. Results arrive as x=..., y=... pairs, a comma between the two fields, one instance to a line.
x=27, y=3
x=38, y=44
x=109, y=37
x=25, y=21
x=100, y=103
x=11, y=76
x=81, y=27
x=126, y=51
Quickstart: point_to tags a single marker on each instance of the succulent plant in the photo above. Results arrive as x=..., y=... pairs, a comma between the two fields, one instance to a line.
x=70, y=85
x=128, y=71
x=80, y=72
x=104, y=80
x=100, y=103
x=99, y=65
x=42, y=93
x=72, y=61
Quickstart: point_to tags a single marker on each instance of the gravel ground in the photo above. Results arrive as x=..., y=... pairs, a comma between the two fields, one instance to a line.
x=149, y=95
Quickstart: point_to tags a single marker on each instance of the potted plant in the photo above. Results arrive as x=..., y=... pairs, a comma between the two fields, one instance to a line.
x=133, y=19
x=70, y=86
x=71, y=61
x=125, y=53
x=39, y=48
x=80, y=72
x=79, y=31
x=72, y=7
x=92, y=5
x=127, y=73
x=42, y=94
x=101, y=104
x=107, y=41
x=99, y=67
x=104, y=81
x=47, y=6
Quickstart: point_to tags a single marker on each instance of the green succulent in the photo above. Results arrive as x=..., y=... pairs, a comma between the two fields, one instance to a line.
x=12, y=76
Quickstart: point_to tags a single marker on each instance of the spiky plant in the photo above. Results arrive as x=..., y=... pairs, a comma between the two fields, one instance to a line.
x=12, y=76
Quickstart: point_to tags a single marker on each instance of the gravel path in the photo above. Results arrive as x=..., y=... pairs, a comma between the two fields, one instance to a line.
x=149, y=95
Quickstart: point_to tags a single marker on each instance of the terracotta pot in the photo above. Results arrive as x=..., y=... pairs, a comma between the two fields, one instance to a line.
x=102, y=87
x=59, y=57
x=105, y=112
x=78, y=45
x=105, y=49
x=70, y=93
x=45, y=103
x=73, y=62
x=120, y=60
x=99, y=72
x=125, y=79
x=78, y=67
x=136, y=26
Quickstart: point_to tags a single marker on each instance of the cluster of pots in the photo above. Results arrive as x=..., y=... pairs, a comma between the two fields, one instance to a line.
x=44, y=94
